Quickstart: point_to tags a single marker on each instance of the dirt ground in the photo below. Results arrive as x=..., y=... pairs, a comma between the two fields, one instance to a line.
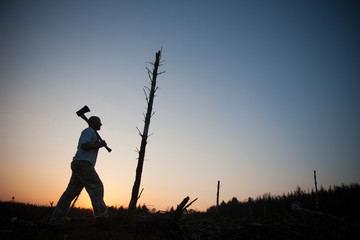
x=23, y=221
x=163, y=226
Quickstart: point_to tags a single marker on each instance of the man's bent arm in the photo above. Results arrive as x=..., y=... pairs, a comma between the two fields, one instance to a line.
x=89, y=146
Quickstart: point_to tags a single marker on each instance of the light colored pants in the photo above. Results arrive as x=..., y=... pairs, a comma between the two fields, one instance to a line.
x=83, y=175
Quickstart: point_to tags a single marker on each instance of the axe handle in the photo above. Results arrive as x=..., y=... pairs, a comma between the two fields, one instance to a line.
x=107, y=148
x=97, y=134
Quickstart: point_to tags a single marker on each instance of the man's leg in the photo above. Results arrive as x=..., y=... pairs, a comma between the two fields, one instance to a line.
x=85, y=171
x=73, y=189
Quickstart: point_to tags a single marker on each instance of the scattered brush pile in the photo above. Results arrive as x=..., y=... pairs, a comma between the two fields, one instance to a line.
x=122, y=224
x=264, y=218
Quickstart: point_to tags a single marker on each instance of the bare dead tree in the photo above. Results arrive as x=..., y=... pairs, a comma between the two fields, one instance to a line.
x=149, y=96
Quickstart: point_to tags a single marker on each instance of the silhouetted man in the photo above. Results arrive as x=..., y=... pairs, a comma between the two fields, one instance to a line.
x=84, y=175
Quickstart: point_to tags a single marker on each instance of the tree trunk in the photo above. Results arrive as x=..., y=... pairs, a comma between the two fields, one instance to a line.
x=144, y=135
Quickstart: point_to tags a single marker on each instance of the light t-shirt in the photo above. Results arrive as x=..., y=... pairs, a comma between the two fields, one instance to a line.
x=87, y=135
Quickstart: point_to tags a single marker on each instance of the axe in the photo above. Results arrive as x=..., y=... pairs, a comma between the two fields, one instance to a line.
x=81, y=113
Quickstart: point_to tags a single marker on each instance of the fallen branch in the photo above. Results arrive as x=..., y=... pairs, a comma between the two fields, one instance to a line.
x=180, y=207
x=190, y=203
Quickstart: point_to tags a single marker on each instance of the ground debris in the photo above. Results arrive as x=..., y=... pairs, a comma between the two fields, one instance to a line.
x=143, y=224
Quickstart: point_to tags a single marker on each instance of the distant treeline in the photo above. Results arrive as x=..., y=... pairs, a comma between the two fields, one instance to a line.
x=341, y=201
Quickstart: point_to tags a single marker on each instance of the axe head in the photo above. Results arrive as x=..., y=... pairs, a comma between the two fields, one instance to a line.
x=82, y=111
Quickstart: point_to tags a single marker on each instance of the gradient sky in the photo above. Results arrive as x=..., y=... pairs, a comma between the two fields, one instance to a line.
x=256, y=94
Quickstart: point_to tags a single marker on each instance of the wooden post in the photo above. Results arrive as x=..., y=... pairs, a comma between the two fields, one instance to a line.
x=217, y=198
x=217, y=195
x=316, y=193
x=144, y=135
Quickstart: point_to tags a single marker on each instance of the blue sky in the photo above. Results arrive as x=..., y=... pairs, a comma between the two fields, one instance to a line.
x=256, y=94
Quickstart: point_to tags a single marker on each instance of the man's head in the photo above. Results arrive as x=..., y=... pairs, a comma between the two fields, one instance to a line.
x=95, y=122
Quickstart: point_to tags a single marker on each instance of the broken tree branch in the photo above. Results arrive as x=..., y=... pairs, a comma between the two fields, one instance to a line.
x=190, y=203
x=180, y=207
x=140, y=193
